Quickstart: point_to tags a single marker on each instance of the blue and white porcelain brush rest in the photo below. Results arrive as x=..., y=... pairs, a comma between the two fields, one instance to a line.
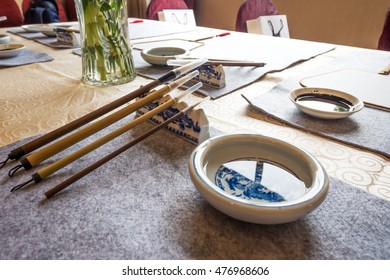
x=193, y=127
x=211, y=75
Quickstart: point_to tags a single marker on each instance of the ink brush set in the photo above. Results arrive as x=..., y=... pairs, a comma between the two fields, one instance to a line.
x=155, y=96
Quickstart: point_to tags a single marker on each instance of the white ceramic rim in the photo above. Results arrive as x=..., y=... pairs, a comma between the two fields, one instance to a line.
x=33, y=28
x=4, y=39
x=318, y=188
x=356, y=102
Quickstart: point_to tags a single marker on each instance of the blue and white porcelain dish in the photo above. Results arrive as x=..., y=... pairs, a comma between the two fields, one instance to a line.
x=258, y=179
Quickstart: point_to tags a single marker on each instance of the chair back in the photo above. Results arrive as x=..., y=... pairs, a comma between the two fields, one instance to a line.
x=158, y=5
x=252, y=9
x=190, y=4
x=71, y=10
x=10, y=9
x=384, y=40
x=61, y=11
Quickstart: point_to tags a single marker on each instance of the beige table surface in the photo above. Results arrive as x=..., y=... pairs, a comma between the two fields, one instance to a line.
x=38, y=98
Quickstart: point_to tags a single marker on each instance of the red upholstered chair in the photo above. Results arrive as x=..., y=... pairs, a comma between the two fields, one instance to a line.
x=71, y=10
x=252, y=9
x=61, y=10
x=190, y=4
x=158, y=5
x=11, y=10
x=384, y=40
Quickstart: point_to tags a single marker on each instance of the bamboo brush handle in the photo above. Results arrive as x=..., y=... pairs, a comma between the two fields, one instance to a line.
x=45, y=172
x=65, y=129
x=107, y=158
x=47, y=152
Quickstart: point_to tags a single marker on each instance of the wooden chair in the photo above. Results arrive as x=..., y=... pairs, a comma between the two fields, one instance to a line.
x=158, y=5
x=252, y=9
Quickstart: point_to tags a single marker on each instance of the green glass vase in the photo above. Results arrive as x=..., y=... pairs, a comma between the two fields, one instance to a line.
x=105, y=49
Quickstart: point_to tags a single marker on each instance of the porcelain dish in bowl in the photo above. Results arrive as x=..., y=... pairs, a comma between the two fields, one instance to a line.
x=258, y=179
x=325, y=103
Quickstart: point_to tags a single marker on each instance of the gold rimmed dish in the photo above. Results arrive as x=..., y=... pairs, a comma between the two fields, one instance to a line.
x=10, y=50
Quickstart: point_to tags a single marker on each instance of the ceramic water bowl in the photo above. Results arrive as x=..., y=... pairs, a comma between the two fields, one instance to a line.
x=258, y=179
x=326, y=103
x=10, y=50
x=4, y=39
x=160, y=55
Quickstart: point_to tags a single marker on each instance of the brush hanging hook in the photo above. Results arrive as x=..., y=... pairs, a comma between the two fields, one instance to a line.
x=3, y=163
x=17, y=187
x=13, y=170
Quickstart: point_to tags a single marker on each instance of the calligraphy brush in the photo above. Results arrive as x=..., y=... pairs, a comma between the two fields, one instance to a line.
x=56, y=147
x=57, y=133
x=117, y=152
x=213, y=62
x=385, y=71
x=211, y=37
x=47, y=171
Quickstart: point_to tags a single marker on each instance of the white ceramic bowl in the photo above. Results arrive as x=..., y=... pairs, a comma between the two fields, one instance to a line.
x=4, y=39
x=326, y=103
x=258, y=179
x=160, y=55
x=47, y=28
x=10, y=50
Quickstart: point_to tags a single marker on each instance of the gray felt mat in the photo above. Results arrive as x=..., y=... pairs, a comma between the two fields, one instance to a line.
x=25, y=57
x=236, y=77
x=41, y=38
x=367, y=129
x=143, y=205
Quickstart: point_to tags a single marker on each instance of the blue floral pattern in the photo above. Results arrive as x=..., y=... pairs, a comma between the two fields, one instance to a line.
x=183, y=124
x=238, y=185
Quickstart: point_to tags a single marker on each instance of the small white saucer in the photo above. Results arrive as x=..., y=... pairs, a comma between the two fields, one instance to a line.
x=10, y=50
x=326, y=103
x=47, y=28
x=4, y=39
x=33, y=28
x=160, y=55
x=258, y=179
